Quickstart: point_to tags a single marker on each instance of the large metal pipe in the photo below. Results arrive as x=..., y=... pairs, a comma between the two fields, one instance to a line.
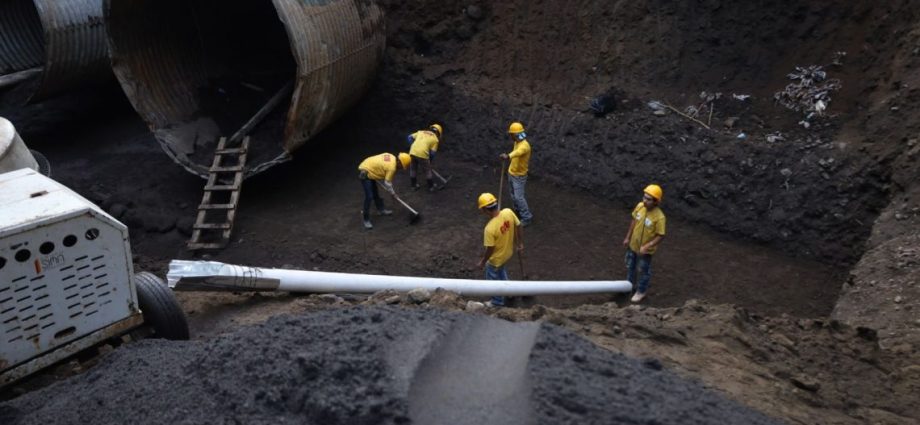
x=214, y=276
x=14, y=154
x=196, y=70
x=65, y=37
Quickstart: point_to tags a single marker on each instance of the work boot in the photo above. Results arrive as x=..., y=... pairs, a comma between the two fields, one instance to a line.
x=368, y=225
x=638, y=296
x=414, y=183
x=386, y=212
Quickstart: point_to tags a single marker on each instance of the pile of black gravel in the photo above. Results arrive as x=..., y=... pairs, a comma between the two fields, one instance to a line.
x=380, y=366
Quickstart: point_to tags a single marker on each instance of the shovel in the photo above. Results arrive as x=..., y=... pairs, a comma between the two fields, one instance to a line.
x=440, y=177
x=415, y=217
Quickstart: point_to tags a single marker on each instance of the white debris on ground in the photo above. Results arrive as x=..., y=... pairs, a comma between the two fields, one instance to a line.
x=810, y=91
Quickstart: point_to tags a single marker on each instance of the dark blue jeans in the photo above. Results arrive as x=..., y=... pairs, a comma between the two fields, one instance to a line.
x=496, y=273
x=644, y=263
x=370, y=194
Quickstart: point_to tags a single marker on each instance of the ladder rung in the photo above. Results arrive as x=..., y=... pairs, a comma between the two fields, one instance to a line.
x=230, y=169
x=198, y=245
x=211, y=226
x=230, y=151
x=221, y=187
x=217, y=206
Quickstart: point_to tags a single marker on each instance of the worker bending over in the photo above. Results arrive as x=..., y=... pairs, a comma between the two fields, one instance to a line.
x=423, y=146
x=517, y=171
x=499, y=237
x=642, y=238
x=375, y=169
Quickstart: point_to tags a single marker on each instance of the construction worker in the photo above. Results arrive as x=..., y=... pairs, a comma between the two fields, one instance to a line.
x=517, y=171
x=499, y=237
x=642, y=238
x=375, y=169
x=423, y=145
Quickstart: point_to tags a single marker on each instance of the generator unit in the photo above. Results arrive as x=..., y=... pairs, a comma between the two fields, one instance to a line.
x=66, y=278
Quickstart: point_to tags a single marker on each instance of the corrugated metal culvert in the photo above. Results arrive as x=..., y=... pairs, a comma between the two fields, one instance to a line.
x=197, y=70
x=65, y=37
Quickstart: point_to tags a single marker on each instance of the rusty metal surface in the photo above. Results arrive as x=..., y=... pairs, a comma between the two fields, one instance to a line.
x=27, y=368
x=67, y=37
x=336, y=46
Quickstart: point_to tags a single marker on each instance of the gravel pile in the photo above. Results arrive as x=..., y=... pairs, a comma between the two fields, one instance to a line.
x=380, y=366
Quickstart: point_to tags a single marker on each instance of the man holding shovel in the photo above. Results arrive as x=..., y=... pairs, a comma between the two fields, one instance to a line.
x=642, y=238
x=375, y=169
x=517, y=171
x=423, y=146
x=499, y=237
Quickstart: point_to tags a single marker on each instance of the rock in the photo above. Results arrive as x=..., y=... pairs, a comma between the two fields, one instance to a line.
x=660, y=113
x=392, y=299
x=786, y=172
x=330, y=298
x=898, y=299
x=419, y=295
x=902, y=349
x=474, y=306
x=806, y=383
x=730, y=122
x=474, y=12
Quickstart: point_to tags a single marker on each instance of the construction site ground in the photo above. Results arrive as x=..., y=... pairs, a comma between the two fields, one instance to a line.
x=788, y=278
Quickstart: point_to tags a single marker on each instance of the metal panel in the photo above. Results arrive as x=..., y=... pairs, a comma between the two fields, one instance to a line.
x=156, y=55
x=21, y=41
x=67, y=37
x=337, y=46
x=66, y=267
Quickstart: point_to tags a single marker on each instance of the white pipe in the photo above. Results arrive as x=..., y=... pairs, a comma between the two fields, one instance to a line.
x=214, y=276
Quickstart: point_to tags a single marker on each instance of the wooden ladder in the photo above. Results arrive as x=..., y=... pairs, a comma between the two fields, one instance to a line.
x=221, y=197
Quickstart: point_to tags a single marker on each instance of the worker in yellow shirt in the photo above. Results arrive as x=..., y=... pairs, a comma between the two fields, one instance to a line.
x=642, y=238
x=499, y=236
x=517, y=171
x=379, y=168
x=423, y=145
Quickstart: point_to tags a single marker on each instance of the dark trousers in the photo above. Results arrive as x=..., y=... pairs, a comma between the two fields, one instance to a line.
x=370, y=194
x=644, y=263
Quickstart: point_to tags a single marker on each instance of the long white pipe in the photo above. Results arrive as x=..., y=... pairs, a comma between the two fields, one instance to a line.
x=214, y=276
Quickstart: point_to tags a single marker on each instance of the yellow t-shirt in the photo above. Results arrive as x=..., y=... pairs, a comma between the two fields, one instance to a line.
x=648, y=225
x=380, y=167
x=520, y=158
x=424, y=141
x=499, y=232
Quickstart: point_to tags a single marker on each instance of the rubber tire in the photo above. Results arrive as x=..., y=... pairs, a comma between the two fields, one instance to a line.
x=44, y=166
x=160, y=308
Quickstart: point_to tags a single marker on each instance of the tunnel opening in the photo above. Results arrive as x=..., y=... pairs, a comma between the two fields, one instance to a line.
x=202, y=70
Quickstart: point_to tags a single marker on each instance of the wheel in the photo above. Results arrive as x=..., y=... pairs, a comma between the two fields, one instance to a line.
x=44, y=166
x=160, y=308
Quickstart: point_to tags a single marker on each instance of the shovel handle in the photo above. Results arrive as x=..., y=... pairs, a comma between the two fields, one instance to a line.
x=405, y=205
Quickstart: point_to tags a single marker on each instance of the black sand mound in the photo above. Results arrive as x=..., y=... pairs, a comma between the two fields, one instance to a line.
x=381, y=366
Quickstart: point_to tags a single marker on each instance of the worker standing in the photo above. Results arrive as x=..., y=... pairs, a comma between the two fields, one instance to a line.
x=517, y=171
x=423, y=146
x=379, y=168
x=499, y=237
x=642, y=238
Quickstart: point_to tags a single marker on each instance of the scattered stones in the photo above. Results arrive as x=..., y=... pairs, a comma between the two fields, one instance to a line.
x=806, y=383
x=419, y=295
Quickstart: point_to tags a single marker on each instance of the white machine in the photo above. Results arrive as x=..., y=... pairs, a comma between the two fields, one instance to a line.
x=66, y=278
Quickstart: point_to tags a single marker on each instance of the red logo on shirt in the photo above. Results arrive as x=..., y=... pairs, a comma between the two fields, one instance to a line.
x=386, y=158
x=505, y=227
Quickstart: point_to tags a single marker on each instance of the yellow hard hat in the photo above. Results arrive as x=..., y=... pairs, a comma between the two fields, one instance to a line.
x=516, y=128
x=438, y=128
x=487, y=200
x=405, y=160
x=654, y=191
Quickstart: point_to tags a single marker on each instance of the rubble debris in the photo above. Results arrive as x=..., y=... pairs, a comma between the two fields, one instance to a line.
x=809, y=93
